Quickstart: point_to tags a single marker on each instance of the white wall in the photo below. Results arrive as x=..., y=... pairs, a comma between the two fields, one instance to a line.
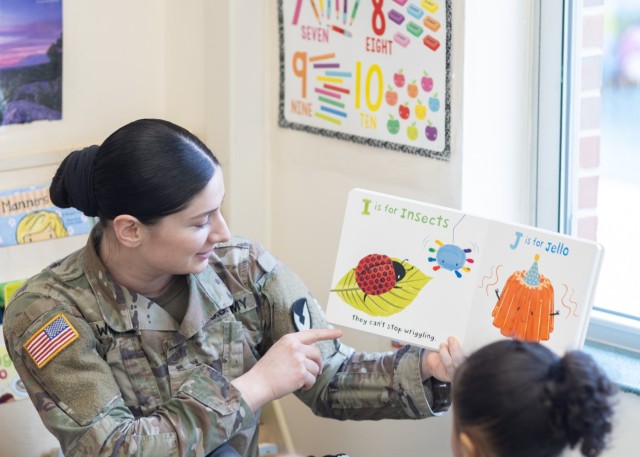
x=489, y=173
x=110, y=77
x=212, y=67
x=115, y=70
x=311, y=176
x=122, y=61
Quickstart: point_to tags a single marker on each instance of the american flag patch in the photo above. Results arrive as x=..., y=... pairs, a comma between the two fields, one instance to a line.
x=52, y=338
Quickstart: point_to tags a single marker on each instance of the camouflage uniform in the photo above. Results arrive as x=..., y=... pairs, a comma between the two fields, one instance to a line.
x=134, y=382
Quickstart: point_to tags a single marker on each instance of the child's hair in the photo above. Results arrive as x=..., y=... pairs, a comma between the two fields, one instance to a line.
x=515, y=398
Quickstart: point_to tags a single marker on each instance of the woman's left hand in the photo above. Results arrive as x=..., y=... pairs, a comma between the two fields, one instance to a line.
x=443, y=363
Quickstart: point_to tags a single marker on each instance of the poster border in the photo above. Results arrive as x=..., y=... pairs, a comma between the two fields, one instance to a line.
x=445, y=154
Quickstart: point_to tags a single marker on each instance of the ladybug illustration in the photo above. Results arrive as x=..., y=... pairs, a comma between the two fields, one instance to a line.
x=389, y=283
x=377, y=274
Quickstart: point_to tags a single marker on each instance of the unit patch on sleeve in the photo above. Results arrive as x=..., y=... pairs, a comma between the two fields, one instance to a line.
x=52, y=338
x=301, y=314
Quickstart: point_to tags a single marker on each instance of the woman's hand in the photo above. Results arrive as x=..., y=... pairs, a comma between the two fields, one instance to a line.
x=442, y=364
x=292, y=363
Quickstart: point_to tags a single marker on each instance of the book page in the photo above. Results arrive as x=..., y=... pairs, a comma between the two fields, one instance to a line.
x=418, y=273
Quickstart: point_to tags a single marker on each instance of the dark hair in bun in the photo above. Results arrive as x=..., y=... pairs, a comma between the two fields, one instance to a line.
x=149, y=168
x=72, y=185
x=520, y=399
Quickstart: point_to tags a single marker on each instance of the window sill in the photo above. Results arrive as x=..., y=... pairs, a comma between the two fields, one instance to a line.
x=621, y=365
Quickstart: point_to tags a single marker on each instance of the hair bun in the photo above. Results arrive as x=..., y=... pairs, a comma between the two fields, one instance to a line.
x=72, y=185
x=556, y=371
x=579, y=403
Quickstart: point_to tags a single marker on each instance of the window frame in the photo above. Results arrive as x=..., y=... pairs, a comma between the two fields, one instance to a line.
x=556, y=146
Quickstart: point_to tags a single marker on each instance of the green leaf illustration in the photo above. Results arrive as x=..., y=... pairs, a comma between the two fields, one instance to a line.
x=391, y=302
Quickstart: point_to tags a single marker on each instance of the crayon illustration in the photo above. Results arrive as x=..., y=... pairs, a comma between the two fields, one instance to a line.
x=414, y=29
x=450, y=257
x=296, y=13
x=331, y=89
x=315, y=12
x=354, y=11
x=401, y=39
x=430, y=5
x=415, y=11
x=396, y=16
x=525, y=308
x=380, y=285
x=431, y=42
x=340, y=30
x=298, y=9
x=431, y=23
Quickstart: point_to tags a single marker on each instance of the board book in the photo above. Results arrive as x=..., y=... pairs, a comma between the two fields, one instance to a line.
x=418, y=273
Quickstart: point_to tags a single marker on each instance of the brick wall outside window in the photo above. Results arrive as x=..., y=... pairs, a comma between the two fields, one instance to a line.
x=589, y=83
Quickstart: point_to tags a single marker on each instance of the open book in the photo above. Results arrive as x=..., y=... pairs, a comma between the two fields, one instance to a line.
x=418, y=273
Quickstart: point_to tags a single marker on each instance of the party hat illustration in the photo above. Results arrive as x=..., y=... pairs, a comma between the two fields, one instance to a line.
x=533, y=276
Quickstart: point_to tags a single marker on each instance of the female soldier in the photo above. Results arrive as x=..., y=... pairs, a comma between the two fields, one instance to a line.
x=516, y=398
x=165, y=335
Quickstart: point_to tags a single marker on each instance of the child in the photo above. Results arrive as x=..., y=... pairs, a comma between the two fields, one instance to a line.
x=514, y=398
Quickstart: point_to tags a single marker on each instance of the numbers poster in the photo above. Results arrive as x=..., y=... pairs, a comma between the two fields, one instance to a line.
x=375, y=72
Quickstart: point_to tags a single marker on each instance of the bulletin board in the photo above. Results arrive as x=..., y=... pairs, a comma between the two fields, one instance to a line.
x=376, y=72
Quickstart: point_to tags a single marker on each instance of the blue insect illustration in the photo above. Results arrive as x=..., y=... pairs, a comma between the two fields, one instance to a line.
x=450, y=257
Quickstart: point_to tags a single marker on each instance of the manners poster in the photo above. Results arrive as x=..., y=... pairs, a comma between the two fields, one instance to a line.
x=375, y=72
x=27, y=215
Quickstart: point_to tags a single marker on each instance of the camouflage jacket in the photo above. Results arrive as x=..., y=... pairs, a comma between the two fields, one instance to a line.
x=112, y=373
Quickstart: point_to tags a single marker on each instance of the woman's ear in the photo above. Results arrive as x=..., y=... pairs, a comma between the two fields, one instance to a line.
x=128, y=230
x=466, y=445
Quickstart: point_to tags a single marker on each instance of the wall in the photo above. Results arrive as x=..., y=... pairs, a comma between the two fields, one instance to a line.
x=153, y=67
x=214, y=68
x=115, y=70
x=311, y=176
x=103, y=88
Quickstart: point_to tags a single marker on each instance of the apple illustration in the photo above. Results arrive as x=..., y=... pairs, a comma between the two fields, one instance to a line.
x=420, y=110
x=393, y=125
x=412, y=89
x=398, y=78
x=391, y=96
x=426, y=82
x=434, y=103
x=431, y=132
x=412, y=132
x=404, y=111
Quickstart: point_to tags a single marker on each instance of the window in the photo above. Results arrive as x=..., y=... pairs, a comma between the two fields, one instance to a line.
x=590, y=185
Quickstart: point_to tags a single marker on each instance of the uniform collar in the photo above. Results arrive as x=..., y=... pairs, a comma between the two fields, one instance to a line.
x=208, y=297
x=126, y=310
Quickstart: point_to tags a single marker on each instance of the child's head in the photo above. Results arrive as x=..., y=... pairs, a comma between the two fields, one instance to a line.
x=514, y=398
